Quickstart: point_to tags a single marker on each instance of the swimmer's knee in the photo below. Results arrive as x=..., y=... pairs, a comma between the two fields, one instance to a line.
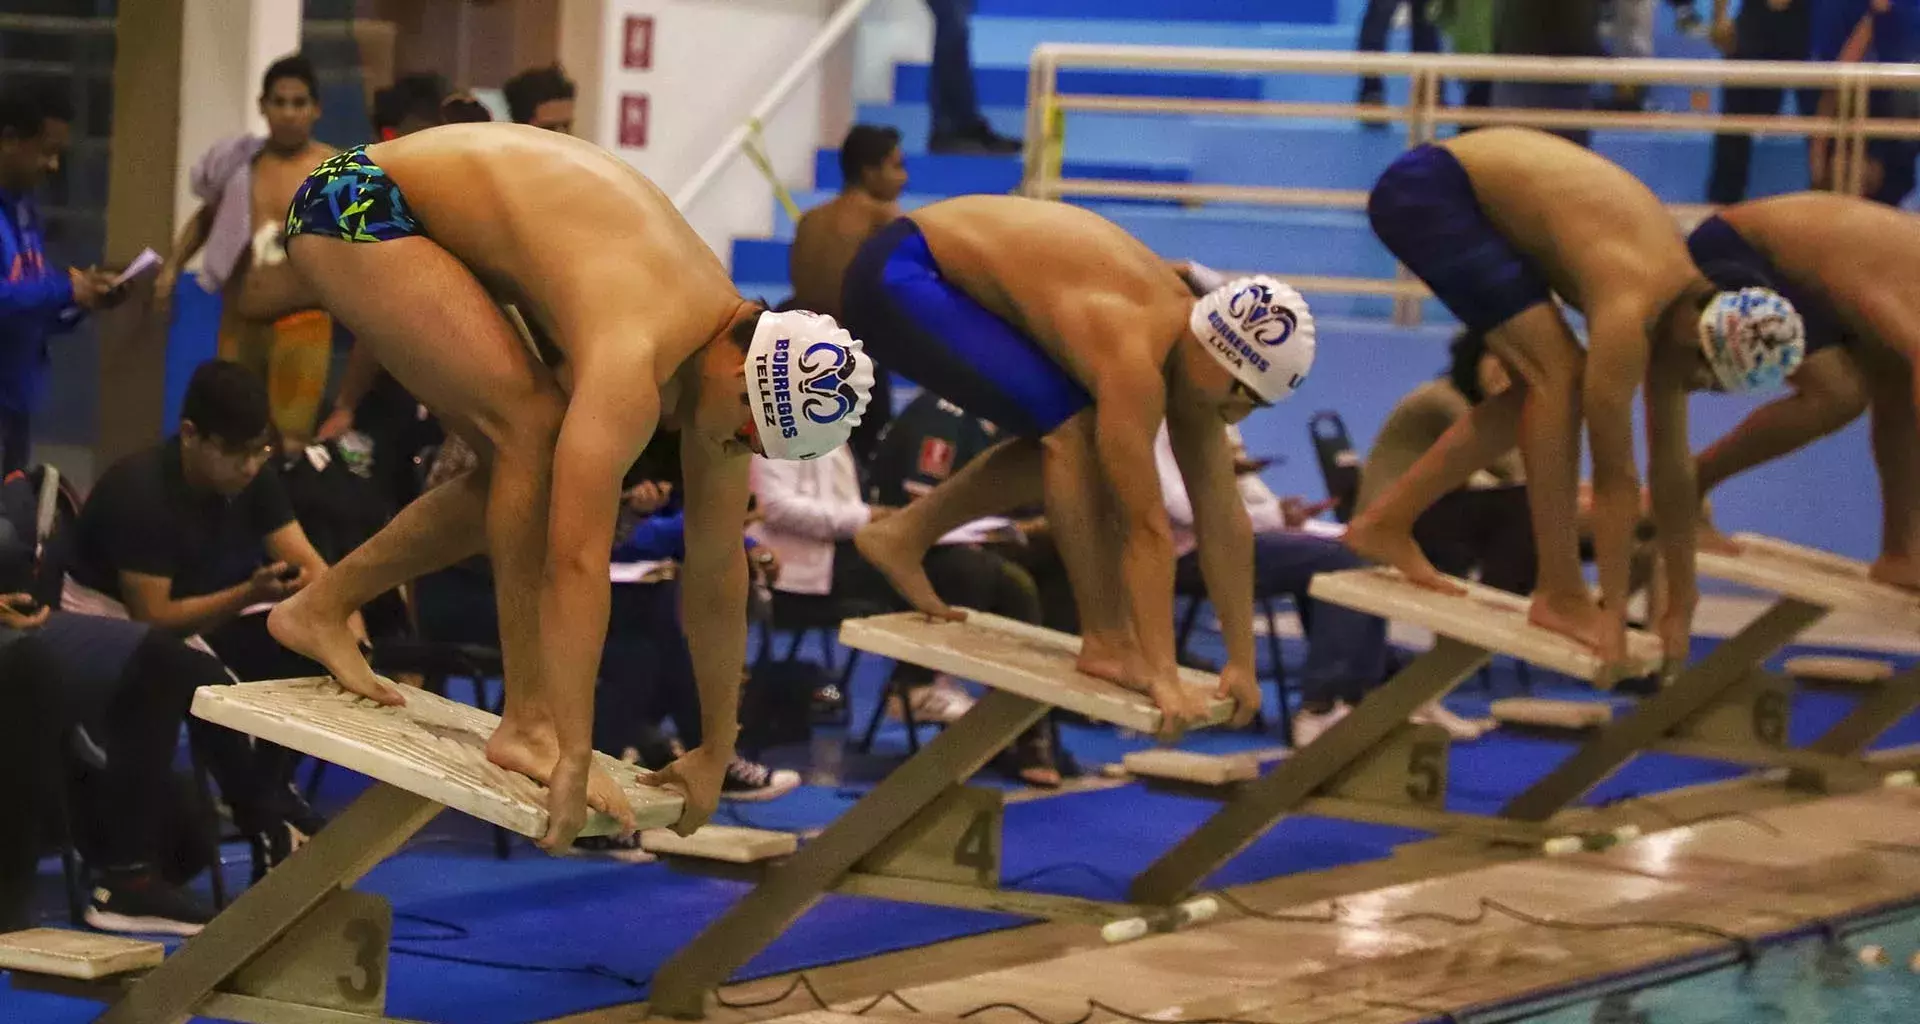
x=518, y=422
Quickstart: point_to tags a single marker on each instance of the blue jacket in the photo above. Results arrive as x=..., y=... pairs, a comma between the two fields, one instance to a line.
x=658, y=537
x=36, y=302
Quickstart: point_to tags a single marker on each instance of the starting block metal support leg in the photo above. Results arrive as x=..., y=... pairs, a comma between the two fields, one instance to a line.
x=367, y=832
x=1657, y=717
x=682, y=983
x=1258, y=804
x=1876, y=712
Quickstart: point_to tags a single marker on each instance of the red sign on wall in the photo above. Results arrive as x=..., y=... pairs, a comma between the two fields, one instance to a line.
x=637, y=54
x=633, y=120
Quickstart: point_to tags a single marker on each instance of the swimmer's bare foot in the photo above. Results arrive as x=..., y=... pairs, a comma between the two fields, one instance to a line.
x=300, y=627
x=1102, y=659
x=886, y=547
x=1387, y=546
x=1708, y=537
x=533, y=752
x=1579, y=618
x=1901, y=571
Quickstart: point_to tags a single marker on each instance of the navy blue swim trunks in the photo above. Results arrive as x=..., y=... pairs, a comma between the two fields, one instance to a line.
x=349, y=196
x=1731, y=263
x=915, y=323
x=1424, y=210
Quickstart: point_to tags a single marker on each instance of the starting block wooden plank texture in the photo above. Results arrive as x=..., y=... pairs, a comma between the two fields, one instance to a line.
x=1814, y=577
x=1187, y=766
x=1839, y=669
x=1487, y=618
x=1019, y=658
x=722, y=843
x=64, y=953
x=431, y=746
x=1542, y=713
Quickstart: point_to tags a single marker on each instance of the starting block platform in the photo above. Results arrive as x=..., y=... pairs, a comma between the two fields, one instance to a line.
x=1727, y=707
x=301, y=945
x=922, y=835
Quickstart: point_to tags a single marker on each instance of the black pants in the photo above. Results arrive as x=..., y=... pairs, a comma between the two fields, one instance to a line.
x=646, y=675
x=16, y=441
x=245, y=646
x=1378, y=20
x=1761, y=33
x=30, y=765
x=1487, y=529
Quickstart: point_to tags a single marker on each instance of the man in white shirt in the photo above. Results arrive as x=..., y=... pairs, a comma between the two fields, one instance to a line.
x=1346, y=649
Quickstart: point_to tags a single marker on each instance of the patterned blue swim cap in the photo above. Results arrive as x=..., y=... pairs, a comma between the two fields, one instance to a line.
x=1753, y=339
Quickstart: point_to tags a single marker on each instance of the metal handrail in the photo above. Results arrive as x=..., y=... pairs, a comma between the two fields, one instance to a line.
x=736, y=141
x=1422, y=113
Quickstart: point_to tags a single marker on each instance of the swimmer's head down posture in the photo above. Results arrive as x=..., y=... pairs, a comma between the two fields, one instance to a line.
x=1846, y=264
x=414, y=244
x=1497, y=222
x=1075, y=339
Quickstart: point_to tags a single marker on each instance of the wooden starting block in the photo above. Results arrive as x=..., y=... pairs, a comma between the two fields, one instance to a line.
x=1191, y=768
x=300, y=945
x=82, y=956
x=1374, y=765
x=1727, y=707
x=1839, y=669
x=1541, y=713
x=922, y=835
x=725, y=843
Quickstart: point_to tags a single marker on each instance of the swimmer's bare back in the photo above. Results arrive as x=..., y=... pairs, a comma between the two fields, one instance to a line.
x=587, y=248
x=1846, y=248
x=1593, y=229
x=1047, y=268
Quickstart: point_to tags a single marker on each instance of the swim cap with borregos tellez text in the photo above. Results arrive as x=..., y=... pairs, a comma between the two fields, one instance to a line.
x=808, y=384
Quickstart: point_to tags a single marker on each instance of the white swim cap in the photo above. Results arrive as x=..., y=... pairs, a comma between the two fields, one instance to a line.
x=1260, y=330
x=808, y=383
x=1753, y=338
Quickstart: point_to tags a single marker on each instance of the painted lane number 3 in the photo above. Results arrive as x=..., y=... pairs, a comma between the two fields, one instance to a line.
x=368, y=940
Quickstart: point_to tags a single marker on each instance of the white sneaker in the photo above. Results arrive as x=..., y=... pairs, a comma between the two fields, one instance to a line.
x=941, y=702
x=1436, y=713
x=1308, y=725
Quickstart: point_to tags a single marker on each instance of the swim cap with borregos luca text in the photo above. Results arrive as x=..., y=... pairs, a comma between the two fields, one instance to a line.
x=808, y=383
x=1260, y=330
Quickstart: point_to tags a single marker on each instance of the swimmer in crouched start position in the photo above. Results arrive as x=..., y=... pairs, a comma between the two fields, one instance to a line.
x=1497, y=222
x=1071, y=336
x=633, y=326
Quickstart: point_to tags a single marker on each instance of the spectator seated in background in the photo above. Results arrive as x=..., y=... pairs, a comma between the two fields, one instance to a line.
x=37, y=300
x=1346, y=649
x=196, y=537
x=541, y=97
x=119, y=691
x=810, y=512
x=928, y=442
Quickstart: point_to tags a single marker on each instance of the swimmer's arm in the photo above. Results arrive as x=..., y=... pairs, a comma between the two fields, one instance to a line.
x=356, y=380
x=1127, y=413
x=713, y=587
x=610, y=419
x=1616, y=366
x=149, y=599
x=1221, y=527
x=1671, y=475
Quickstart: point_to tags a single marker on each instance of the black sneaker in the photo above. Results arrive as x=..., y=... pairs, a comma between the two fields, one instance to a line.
x=623, y=848
x=981, y=141
x=751, y=781
x=142, y=903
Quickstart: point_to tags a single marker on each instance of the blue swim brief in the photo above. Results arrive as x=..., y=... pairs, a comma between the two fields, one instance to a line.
x=349, y=196
x=1731, y=263
x=916, y=323
x=1424, y=210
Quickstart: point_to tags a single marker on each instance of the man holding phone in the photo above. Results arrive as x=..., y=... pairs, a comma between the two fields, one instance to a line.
x=37, y=300
x=196, y=536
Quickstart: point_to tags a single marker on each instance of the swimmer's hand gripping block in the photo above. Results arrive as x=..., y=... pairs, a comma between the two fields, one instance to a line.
x=1489, y=619
x=1031, y=661
x=431, y=746
x=1812, y=576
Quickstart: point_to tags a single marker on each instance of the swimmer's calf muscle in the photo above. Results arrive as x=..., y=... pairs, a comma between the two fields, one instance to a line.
x=713, y=587
x=1676, y=498
x=1128, y=409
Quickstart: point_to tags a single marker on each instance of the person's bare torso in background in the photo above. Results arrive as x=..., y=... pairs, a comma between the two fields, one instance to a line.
x=825, y=242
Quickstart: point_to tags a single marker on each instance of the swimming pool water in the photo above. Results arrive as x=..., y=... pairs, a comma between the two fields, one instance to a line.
x=1809, y=980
